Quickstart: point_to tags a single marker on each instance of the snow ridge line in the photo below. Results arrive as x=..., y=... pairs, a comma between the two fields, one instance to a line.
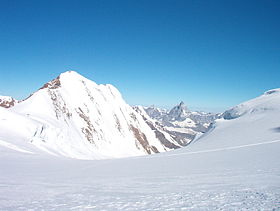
x=214, y=150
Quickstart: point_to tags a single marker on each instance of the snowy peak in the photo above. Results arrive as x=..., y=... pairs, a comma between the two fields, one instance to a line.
x=74, y=77
x=71, y=73
x=267, y=102
x=272, y=91
x=7, y=101
x=66, y=78
x=155, y=113
x=182, y=104
x=178, y=112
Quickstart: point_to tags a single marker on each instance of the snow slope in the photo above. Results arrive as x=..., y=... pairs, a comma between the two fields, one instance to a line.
x=235, y=166
x=15, y=128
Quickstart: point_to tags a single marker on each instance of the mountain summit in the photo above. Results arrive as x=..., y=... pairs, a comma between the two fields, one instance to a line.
x=178, y=112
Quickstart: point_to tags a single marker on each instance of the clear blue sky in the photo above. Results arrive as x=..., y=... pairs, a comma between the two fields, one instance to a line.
x=210, y=54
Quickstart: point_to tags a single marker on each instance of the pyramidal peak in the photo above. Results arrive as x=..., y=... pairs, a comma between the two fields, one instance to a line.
x=181, y=103
x=178, y=112
x=183, y=106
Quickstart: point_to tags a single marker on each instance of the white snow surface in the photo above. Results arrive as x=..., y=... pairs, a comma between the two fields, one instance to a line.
x=235, y=166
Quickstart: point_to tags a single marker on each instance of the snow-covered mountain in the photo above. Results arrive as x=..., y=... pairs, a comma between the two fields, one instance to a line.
x=234, y=166
x=75, y=117
x=181, y=123
x=266, y=102
x=7, y=101
x=178, y=113
x=253, y=121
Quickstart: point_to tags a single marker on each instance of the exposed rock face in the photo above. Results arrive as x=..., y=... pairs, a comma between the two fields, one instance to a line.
x=142, y=140
x=179, y=112
x=7, y=102
x=53, y=84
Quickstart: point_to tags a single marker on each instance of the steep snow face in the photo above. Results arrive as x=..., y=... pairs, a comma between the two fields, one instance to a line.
x=268, y=101
x=78, y=118
x=7, y=102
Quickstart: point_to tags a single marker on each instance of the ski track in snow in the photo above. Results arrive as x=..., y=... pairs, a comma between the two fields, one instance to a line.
x=13, y=147
x=211, y=150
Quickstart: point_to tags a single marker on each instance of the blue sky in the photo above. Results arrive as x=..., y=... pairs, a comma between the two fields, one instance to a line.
x=210, y=54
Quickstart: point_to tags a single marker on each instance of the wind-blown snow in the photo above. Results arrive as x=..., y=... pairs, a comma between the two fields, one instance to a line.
x=235, y=166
